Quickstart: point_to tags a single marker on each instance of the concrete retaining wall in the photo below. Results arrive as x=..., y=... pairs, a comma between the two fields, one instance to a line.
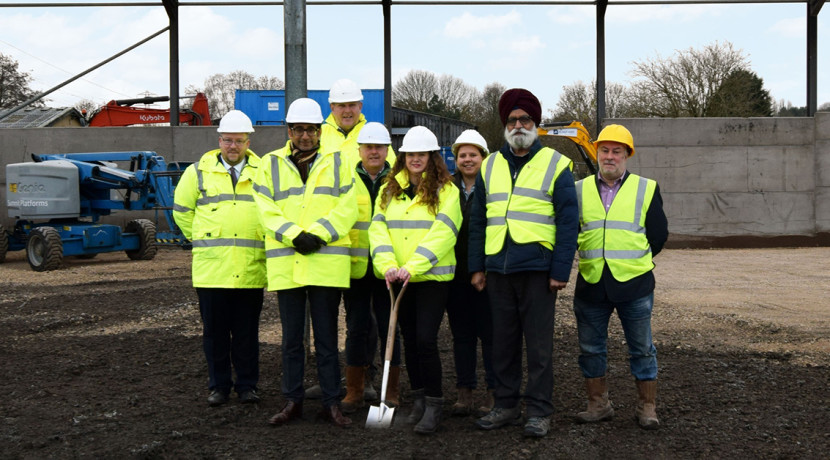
x=720, y=177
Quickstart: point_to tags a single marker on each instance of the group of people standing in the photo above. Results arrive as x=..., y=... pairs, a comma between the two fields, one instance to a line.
x=336, y=212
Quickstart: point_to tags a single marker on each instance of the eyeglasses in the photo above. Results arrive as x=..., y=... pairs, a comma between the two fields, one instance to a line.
x=524, y=119
x=239, y=142
x=300, y=131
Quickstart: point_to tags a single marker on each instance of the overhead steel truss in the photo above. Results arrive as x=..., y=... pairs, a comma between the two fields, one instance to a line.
x=296, y=59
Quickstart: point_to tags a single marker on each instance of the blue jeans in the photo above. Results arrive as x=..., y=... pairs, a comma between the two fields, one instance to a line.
x=324, y=304
x=592, y=326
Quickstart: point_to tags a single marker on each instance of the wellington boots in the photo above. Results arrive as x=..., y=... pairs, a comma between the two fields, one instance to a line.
x=599, y=407
x=418, y=407
x=464, y=405
x=647, y=404
x=432, y=416
x=393, y=387
x=489, y=401
x=353, y=401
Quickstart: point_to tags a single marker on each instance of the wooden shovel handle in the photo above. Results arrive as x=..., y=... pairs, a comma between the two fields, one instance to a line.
x=393, y=321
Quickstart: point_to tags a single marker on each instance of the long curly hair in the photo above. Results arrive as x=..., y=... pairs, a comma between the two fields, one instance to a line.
x=430, y=187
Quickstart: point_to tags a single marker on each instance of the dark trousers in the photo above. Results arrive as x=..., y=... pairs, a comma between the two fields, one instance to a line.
x=230, y=335
x=468, y=311
x=365, y=296
x=421, y=313
x=324, y=303
x=523, y=306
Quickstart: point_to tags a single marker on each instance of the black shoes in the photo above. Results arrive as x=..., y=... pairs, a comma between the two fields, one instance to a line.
x=248, y=397
x=217, y=398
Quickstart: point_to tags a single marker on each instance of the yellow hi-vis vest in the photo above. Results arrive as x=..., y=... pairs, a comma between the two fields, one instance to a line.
x=324, y=206
x=333, y=139
x=526, y=208
x=222, y=223
x=617, y=238
x=360, y=231
x=406, y=235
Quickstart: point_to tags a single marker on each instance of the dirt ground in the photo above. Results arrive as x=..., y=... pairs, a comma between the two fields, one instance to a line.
x=103, y=359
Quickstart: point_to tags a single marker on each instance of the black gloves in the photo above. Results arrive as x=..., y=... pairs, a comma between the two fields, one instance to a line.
x=306, y=243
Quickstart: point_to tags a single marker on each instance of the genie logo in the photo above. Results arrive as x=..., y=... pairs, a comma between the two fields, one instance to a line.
x=34, y=187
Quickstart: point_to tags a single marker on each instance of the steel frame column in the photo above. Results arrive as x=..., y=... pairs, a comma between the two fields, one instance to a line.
x=296, y=63
x=602, y=6
x=172, y=8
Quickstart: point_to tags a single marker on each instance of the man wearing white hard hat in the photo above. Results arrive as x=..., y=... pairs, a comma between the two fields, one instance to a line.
x=214, y=207
x=307, y=205
x=368, y=294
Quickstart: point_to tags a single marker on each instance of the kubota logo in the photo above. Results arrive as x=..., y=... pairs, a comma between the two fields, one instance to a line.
x=151, y=117
x=34, y=187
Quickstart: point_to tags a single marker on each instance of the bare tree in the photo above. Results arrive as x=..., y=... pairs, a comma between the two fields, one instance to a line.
x=683, y=85
x=14, y=84
x=415, y=90
x=486, y=116
x=579, y=102
x=442, y=95
x=220, y=89
x=87, y=107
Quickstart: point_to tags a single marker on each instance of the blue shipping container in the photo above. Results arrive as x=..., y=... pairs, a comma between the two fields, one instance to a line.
x=267, y=107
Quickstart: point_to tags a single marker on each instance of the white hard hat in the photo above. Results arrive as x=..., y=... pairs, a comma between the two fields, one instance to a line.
x=235, y=121
x=419, y=139
x=345, y=91
x=472, y=137
x=304, y=110
x=374, y=133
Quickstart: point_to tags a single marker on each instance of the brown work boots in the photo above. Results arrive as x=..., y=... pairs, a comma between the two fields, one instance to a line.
x=599, y=407
x=647, y=404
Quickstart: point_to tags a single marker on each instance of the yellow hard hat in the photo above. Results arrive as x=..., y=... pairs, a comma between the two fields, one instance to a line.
x=616, y=133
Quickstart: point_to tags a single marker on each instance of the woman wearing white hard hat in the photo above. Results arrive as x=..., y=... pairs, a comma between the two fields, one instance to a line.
x=412, y=236
x=468, y=309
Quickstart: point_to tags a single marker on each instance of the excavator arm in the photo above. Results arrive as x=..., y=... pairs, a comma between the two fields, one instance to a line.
x=575, y=131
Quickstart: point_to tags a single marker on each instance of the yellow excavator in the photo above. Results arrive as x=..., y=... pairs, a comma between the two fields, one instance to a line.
x=575, y=131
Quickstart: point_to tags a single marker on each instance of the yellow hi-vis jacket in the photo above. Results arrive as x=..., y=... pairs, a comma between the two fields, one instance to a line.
x=324, y=206
x=406, y=235
x=617, y=238
x=222, y=223
x=525, y=208
x=360, y=231
x=333, y=139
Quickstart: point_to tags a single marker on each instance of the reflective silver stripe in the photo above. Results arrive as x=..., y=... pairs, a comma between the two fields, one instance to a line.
x=359, y=225
x=621, y=225
x=588, y=226
x=201, y=180
x=275, y=177
x=614, y=254
x=531, y=217
x=279, y=252
x=327, y=250
x=329, y=227
x=488, y=171
x=334, y=250
x=214, y=199
x=228, y=242
x=280, y=233
x=180, y=208
x=531, y=193
x=337, y=161
x=245, y=198
x=359, y=252
x=493, y=197
x=383, y=248
x=409, y=224
x=379, y=218
x=579, y=186
x=641, y=197
x=547, y=182
x=263, y=190
x=293, y=191
x=498, y=220
x=445, y=270
x=446, y=219
x=333, y=191
x=433, y=259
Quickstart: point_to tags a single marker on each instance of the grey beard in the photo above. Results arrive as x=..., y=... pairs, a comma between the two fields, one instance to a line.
x=520, y=142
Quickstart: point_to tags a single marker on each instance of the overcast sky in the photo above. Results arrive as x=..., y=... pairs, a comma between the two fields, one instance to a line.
x=541, y=48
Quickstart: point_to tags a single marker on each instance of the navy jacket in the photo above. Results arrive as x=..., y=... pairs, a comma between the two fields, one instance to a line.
x=608, y=289
x=514, y=257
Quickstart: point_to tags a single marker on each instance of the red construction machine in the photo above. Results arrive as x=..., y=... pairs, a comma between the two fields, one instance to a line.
x=122, y=112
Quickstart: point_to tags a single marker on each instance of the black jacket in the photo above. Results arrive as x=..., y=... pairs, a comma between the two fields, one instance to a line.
x=611, y=290
x=515, y=257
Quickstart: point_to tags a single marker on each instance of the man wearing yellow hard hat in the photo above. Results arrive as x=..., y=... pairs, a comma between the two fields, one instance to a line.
x=622, y=227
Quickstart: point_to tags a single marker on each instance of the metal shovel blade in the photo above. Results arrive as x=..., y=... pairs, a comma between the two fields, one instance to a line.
x=380, y=416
